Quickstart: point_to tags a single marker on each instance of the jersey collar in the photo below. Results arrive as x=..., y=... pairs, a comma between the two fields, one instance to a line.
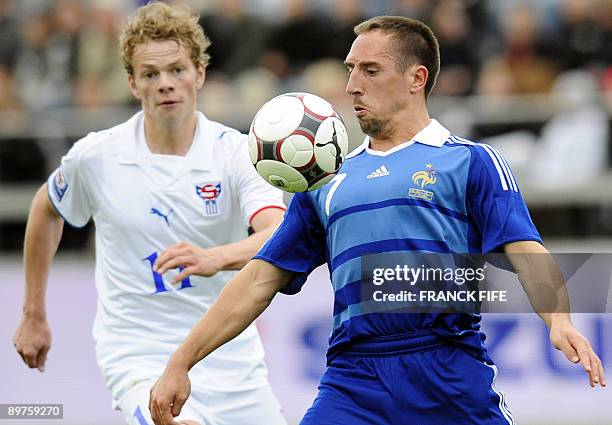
x=434, y=134
x=198, y=157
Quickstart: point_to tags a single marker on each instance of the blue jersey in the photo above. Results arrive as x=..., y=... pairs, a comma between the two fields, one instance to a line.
x=436, y=193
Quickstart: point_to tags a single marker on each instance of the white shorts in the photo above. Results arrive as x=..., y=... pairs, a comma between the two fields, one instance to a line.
x=255, y=406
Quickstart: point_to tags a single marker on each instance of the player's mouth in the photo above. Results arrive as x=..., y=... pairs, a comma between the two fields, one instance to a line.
x=359, y=110
x=168, y=103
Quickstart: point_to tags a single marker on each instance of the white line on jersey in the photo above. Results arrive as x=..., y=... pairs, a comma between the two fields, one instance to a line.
x=503, y=169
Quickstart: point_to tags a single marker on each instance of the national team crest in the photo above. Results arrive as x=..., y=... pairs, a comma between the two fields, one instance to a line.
x=210, y=193
x=60, y=184
x=422, y=179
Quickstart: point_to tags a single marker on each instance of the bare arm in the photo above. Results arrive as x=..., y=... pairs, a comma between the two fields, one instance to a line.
x=234, y=256
x=43, y=233
x=544, y=284
x=541, y=279
x=242, y=300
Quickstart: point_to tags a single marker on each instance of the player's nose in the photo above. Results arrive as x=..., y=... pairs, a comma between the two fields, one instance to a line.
x=165, y=83
x=353, y=86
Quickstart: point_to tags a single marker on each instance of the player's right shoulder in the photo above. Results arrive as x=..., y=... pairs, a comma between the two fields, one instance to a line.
x=103, y=142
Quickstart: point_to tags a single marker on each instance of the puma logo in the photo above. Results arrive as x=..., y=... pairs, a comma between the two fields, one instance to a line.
x=334, y=143
x=162, y=215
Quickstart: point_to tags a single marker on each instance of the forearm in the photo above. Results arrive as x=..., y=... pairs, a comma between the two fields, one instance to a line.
x=43, y=233
x=236, y=255
x=542, y=281
x=546, y=290
x=242, y=300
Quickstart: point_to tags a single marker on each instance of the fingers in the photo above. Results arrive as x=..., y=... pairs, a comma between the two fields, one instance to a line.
x=41, y=359
x=159, y=407
x=168, y=259
x=568, y=350
x=590, y=362
x=597, y=374
x=29, y=357
x=34, y=355
x=173, y=263
x=189, y=271
x=602, y=373
x=179, y=401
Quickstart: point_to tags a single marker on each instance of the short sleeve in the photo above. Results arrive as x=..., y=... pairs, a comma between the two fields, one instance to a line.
x=298, y=245
x=494, y=202
x=254, y=194
x=68, y=190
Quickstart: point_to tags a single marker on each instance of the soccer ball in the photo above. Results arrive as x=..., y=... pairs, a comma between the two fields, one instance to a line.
x=297, y=142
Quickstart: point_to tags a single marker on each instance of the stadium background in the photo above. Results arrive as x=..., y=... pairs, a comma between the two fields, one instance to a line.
x=534, y=78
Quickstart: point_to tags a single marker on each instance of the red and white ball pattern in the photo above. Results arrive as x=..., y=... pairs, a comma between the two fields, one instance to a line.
x=297, y=142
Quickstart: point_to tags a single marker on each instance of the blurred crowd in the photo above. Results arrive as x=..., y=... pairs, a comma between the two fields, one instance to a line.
x=64, y=52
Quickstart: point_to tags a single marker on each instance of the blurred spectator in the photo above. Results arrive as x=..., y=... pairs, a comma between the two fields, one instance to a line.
x=495, y=78
x=302, y=38
x=573, y=147
x=8, y=100
x=254, y=87
x=458, y=48
x=9, y=36
x=11, y=113
x=100, y=76
x=523, y=69
x=47, y=64
x=237, y=37
x=345, y=14
x=416, y=9
x=585, y=34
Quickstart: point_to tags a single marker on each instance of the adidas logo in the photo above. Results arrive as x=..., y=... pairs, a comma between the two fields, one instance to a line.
x=379, y=172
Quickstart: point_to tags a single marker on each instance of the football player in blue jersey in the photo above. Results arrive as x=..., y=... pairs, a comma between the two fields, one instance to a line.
x=415, y=187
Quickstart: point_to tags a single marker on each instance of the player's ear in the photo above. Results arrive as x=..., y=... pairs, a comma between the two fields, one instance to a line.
x=418, y=75
x=133, y=88
x=201, y=76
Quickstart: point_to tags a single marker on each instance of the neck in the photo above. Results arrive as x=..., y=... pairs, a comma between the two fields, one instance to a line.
x=402, y=128
x=172, y=137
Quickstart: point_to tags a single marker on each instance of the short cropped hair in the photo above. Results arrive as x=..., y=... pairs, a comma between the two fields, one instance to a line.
x=158, y=22
x=413, y=42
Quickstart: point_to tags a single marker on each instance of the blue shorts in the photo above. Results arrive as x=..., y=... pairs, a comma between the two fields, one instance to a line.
x=415, y=381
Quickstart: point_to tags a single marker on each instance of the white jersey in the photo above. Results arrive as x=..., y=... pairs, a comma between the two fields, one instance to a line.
x=142, y=203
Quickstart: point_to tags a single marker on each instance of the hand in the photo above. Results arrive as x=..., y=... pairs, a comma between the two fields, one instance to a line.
x=577, y=349
x=168, y=395
x=32, y=341
x=198, y=261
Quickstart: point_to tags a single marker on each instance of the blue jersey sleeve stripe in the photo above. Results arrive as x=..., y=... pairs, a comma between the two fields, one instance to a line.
x=505, y=167
x=395, y=202
x=502, y=178
x=388, y=246
x=489, y=151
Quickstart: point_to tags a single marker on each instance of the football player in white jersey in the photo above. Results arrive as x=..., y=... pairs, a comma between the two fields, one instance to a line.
x=166, y=175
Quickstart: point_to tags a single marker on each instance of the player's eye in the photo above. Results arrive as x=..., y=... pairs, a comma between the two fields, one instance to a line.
x=147, y=75
x=178, y=70
x=371, y=72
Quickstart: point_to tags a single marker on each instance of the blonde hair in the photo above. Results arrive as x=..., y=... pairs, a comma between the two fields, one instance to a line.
x=157, y=22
